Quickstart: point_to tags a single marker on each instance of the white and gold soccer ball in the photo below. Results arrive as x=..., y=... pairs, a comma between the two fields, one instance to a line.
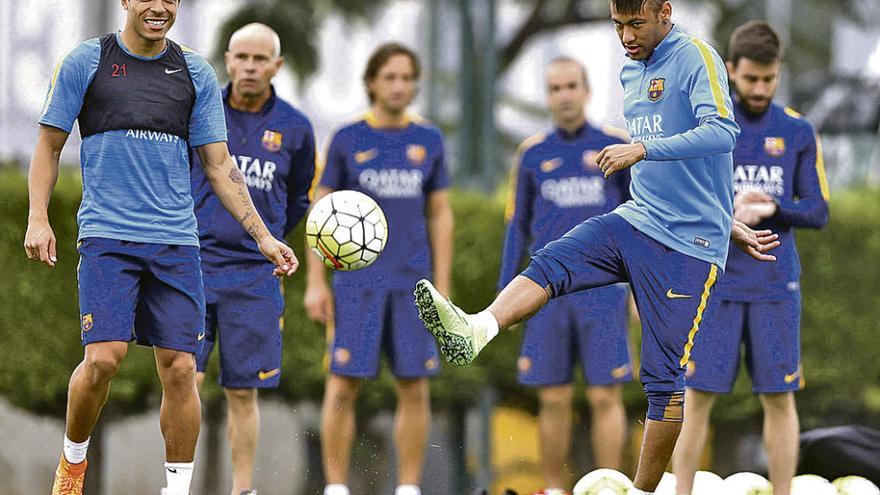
x=811, y=484
x=746, y=484
x=855, y=485
x=603, y=482
x=706, y=483
x=347, y=230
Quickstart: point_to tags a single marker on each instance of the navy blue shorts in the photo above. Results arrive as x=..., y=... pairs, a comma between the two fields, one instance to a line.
x=589, y=327
x=143, y=292
x=371, y=320
x=770, y=333
x=244, y=318
x=671, y=289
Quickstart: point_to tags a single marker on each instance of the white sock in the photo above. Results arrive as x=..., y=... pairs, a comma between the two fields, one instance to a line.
x=636, y=491
x=178, y=476
x=336, y=489
x=74, y=452
x=408, y=490
x=488, y=321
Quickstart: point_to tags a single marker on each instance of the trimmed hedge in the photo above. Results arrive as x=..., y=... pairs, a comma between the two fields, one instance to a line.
x=39, y=322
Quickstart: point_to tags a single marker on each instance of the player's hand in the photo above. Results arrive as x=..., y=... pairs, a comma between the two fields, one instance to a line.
x=618, y=157
x=39, y=242
x=751, y=197
x=755, y=243
x=280, y=254
x=752, y=214
x=318, y=302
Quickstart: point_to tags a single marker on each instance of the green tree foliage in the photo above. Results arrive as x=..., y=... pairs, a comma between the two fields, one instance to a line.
x=39, y=321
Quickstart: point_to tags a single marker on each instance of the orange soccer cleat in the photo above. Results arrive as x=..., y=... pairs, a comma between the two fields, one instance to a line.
x=69, y=478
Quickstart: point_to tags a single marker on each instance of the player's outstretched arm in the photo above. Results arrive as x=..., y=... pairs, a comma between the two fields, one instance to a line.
x=229, y=185
x=756, y=243
x=39, y=241
x=318, y=299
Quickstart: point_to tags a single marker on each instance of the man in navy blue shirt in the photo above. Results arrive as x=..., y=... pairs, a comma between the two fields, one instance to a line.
x=274, y=147
x=779, y=179
x=555, y=185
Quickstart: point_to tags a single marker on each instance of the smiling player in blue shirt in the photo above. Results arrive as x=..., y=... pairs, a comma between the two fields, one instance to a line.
x=141, y=101
x=397, y=159
x=274, y=146
x=555, y=185
x=669, y=242
x=779, y=179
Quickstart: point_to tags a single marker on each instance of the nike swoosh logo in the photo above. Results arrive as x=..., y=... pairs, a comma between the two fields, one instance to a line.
x=265, y=375
x=673, y=295
x=791, y=377
x=365, y=156
x=172, y=470
x=175, y=71
x=201, y=337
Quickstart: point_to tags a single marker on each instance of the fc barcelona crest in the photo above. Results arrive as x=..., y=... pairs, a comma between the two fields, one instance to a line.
x=272, y=141
x=655, y=89
x=774, y=146
x=87, y=322
x=416, y=154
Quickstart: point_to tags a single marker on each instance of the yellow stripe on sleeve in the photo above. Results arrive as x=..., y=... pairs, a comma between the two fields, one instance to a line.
x=510, y=207
x=717, y=93
x=820, y=171
x=704, y=298
x=54, y=81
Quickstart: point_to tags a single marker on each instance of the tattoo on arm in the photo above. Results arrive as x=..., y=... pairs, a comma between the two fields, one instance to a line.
x=236, y=176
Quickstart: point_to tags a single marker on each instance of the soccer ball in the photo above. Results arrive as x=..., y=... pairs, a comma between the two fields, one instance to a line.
x=347, y=230
x=706, y=483
x=855, y=485
x=746, y=484
x=603, y=482
x=667, y=485
x=810, y=484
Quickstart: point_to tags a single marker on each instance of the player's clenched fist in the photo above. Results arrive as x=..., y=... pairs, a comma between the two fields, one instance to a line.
x=39, y=242
x=618, y=157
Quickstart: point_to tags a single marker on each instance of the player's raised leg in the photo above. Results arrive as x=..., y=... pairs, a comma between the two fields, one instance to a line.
x=692, y=440
x=87, y=393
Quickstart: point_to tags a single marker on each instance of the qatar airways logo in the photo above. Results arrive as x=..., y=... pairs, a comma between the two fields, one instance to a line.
x=646, y=127
x=769, y=180
x=392, y=183
x=155, y=136
x=258, y=174
x=571, y=192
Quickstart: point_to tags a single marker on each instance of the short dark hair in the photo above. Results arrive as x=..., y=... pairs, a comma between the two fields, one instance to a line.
x=382, y=55
x=565, y=59
x=635, y=6
x=754, y=40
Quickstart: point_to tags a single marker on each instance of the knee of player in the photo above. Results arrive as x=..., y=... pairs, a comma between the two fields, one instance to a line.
x=241, y=395
x=779, y=403
x=666, y=406
x=604, y=398
x=102, y=366
x=555, y=398
x=180, y=369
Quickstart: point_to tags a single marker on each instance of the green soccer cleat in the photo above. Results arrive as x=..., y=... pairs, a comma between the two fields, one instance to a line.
x=460, y=335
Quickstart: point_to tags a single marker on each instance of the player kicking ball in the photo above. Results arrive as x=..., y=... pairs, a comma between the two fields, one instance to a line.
x=779, y=179
x=669, y=242
x=555, y=185
x=140, y=100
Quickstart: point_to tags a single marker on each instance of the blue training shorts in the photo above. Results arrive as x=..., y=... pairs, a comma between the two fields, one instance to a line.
x=588, y=326
x=143, y=292
x=769, y=332
x=244, y=318
x=370, y=320
x=671, y=289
